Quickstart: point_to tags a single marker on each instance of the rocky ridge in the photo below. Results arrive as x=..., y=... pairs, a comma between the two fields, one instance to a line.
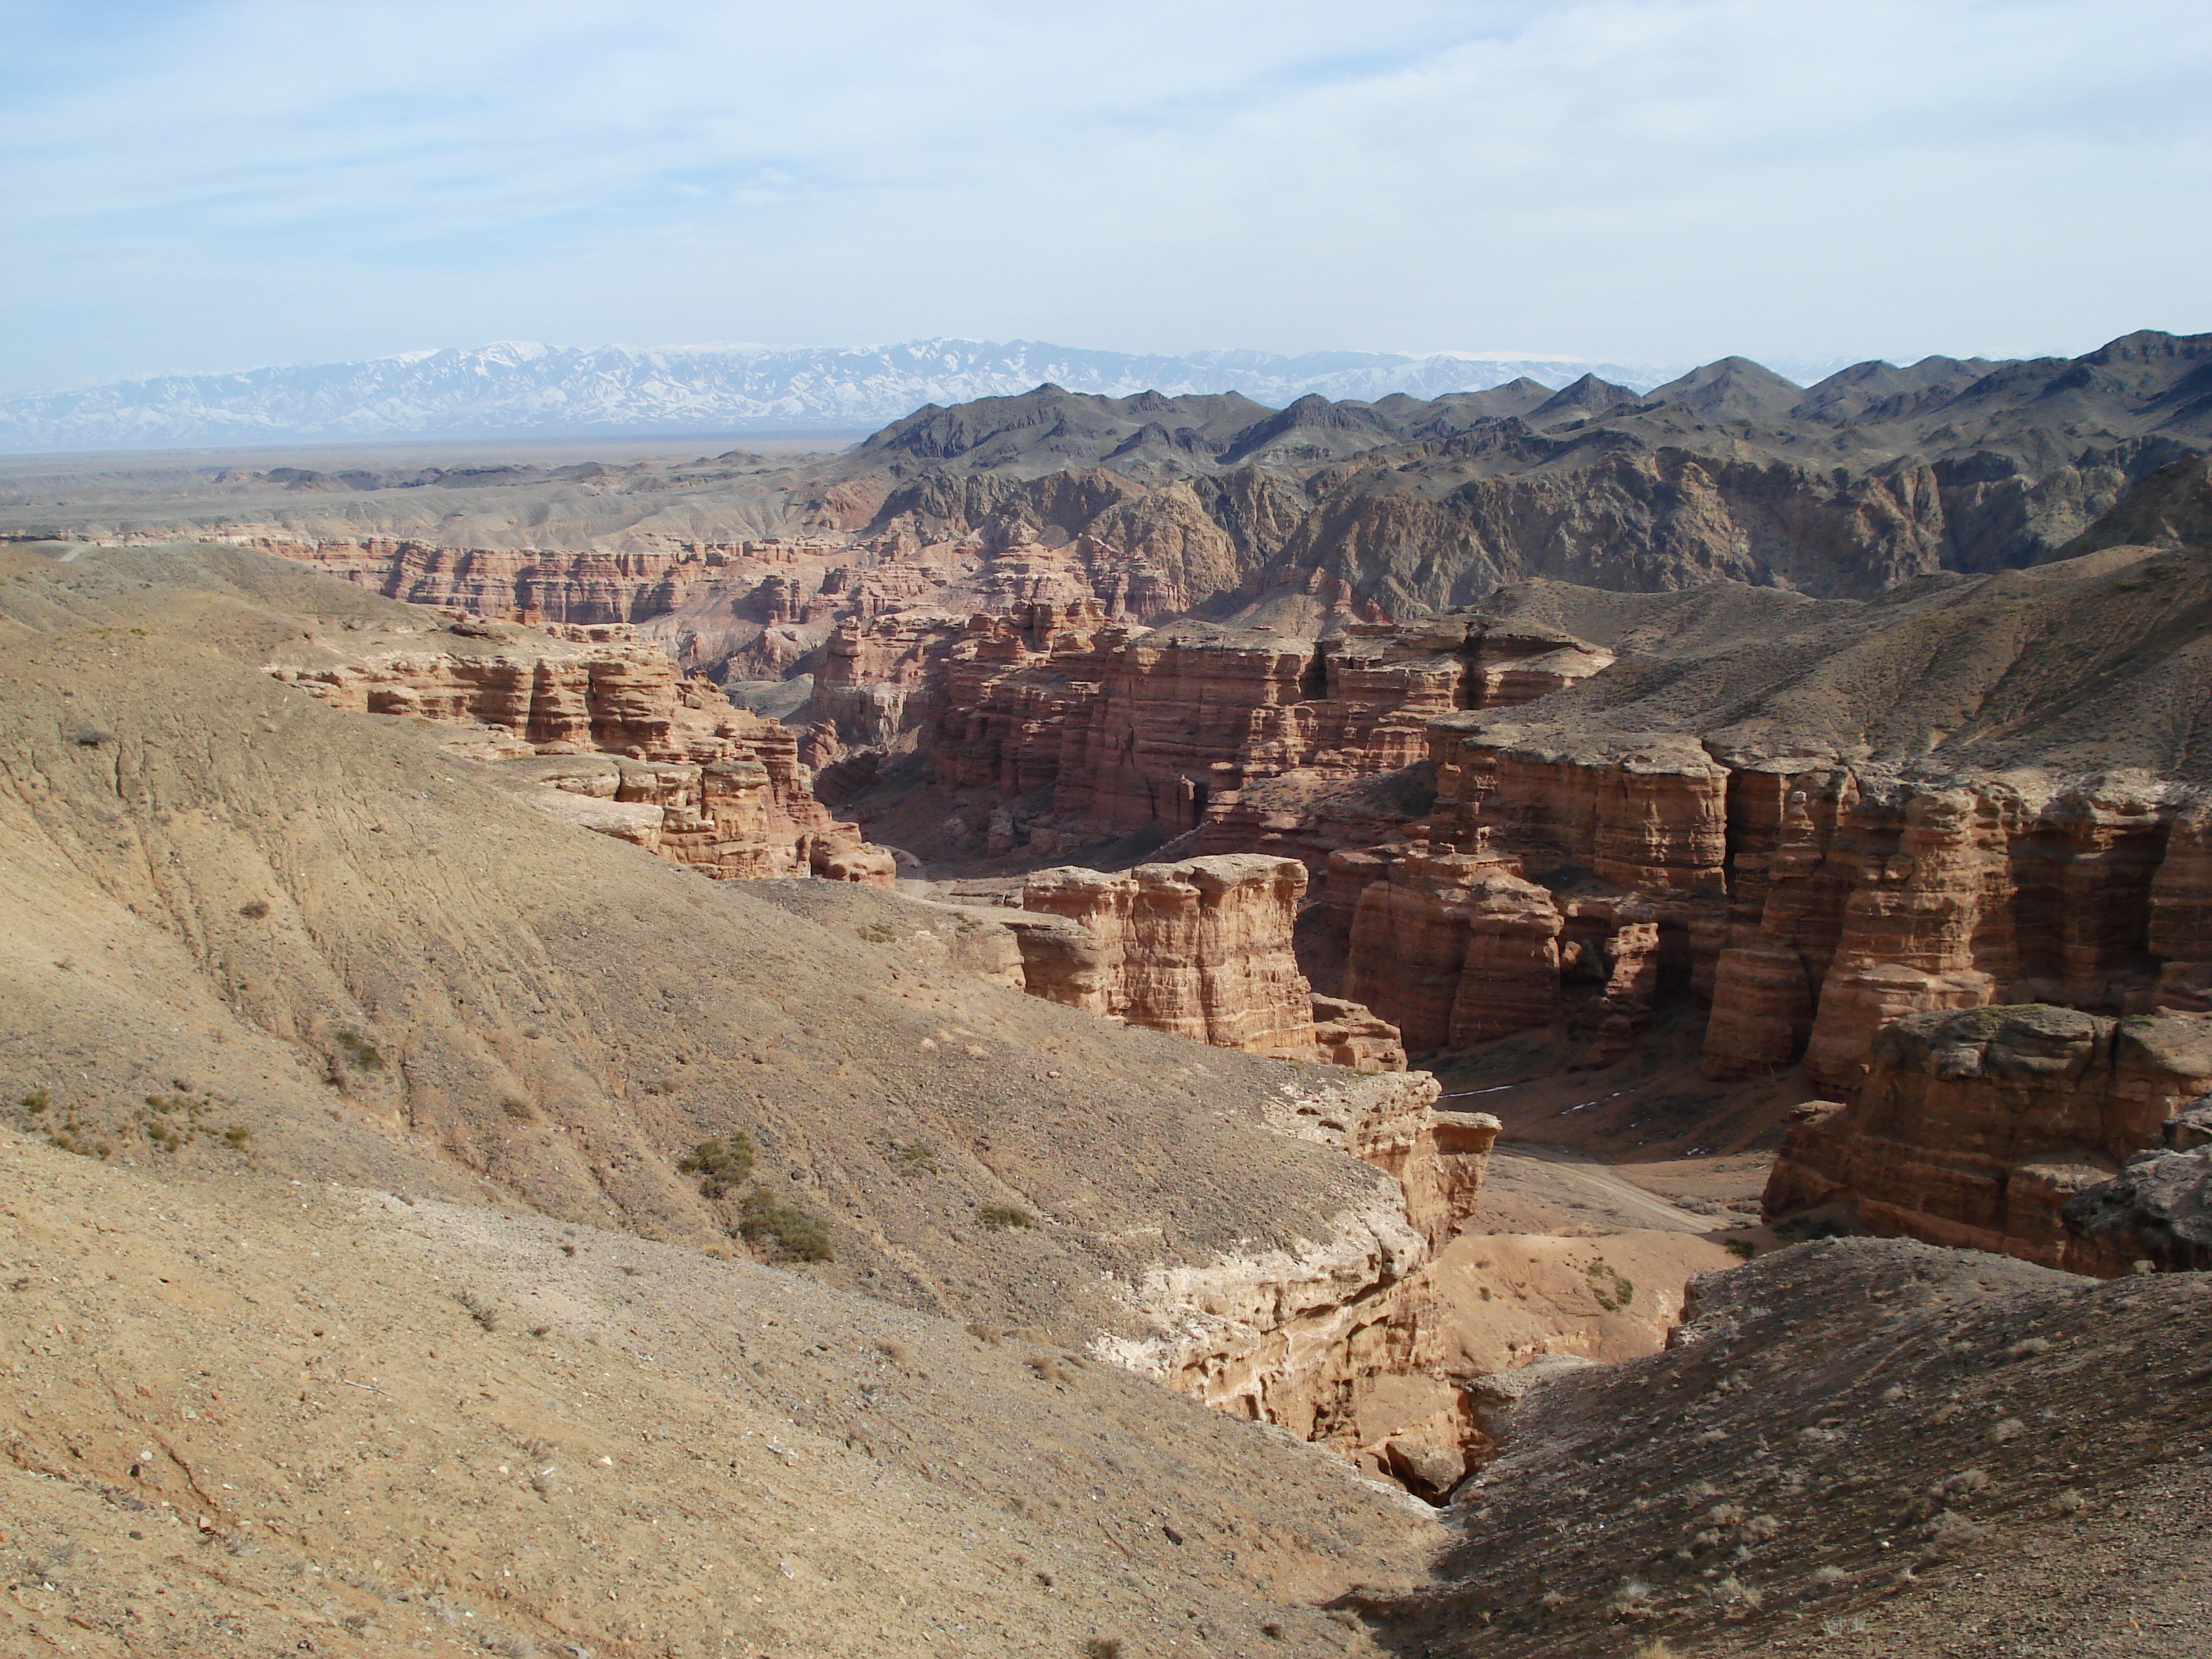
x=664, y=759
x=1306, y=518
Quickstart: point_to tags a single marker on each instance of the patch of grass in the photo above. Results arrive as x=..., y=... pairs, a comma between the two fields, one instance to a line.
x=722, y=1164
x=1004, y=1215
x=1609, y=1285
x=877, y=932
x=915, y=1156
x=795, y=1230
x=364, y=1055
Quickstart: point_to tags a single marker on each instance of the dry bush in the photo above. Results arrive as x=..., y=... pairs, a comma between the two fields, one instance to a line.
x=722, y=1164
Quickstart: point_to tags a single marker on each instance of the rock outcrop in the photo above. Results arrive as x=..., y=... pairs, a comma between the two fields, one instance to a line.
x=1170, y=729
x=1298, y=1338
x=1201, y=949
x=664, y=758
x=1977, y=1129
x=2157, y=1210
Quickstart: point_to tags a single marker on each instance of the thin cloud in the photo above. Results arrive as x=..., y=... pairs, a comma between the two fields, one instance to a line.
x=211, y=185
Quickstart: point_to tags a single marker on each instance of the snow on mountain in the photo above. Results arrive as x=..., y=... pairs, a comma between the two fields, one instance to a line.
x=520, y=389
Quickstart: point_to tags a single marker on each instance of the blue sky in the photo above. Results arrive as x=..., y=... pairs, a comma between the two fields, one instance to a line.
x=202, y=186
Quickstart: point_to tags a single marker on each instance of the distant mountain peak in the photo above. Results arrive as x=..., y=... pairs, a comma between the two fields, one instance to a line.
x=529, y=389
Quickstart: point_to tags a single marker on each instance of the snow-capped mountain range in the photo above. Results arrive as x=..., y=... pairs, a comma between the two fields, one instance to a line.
x=520, y=390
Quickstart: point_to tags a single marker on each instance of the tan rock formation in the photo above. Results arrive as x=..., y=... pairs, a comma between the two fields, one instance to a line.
x=1453, y=949
x=1975, y=1128
x=1348, y=1034
x=1201, y=949
x=733, y=800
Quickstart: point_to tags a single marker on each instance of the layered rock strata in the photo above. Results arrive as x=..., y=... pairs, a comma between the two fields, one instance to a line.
x=1201, y=949
x=1169, y=729
x=1297, y=1337
x=1978, y=1128
x=665, y=760
x=1807, y=904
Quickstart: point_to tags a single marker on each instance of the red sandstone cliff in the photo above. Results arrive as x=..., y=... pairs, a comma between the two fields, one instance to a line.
x=731, y=798
x=1201, y=949
x=1976, y=1128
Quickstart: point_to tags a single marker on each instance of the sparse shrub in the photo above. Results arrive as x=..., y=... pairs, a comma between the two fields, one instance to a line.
x=1609, y=1286
x=1656, y=1649
x=915, y=1156
x=37, y=1101
x=721, y=1165
x=1102, y=1647
x=1004, y=1215
x=1849, y=1624
x=894, y=1351
x=236, y=1136
x=797, y=1231
x=1742, y=1248
x=254, y=911
x=478, y=1309
x=364, y=1055
x=517, y=1108
x=877, y=932
x=92, y=738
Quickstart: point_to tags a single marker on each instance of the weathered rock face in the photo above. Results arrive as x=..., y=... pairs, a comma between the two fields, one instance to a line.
x=879, y=684
x=1201, y=949
x=1017, y=692
x=1348, y=1034
x=1298, y=1341
x=1454, y=950
x=557, y=696
x=1172, y=729
x=1976, y=1128
x=2157, y=1210
x=697, y=782
x=1808, y=906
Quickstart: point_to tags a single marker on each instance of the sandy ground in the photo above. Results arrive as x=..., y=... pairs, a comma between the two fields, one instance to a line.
x=244, y=1415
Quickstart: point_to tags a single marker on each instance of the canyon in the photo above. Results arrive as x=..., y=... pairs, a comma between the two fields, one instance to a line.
x=1092, y=869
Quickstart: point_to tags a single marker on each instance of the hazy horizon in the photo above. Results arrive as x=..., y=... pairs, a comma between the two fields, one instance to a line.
x=205, y=186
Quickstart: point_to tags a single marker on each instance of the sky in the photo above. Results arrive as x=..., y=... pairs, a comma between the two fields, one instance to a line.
x=212, y=186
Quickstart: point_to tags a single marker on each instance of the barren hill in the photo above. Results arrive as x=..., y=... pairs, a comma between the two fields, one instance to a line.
x=389, y=966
